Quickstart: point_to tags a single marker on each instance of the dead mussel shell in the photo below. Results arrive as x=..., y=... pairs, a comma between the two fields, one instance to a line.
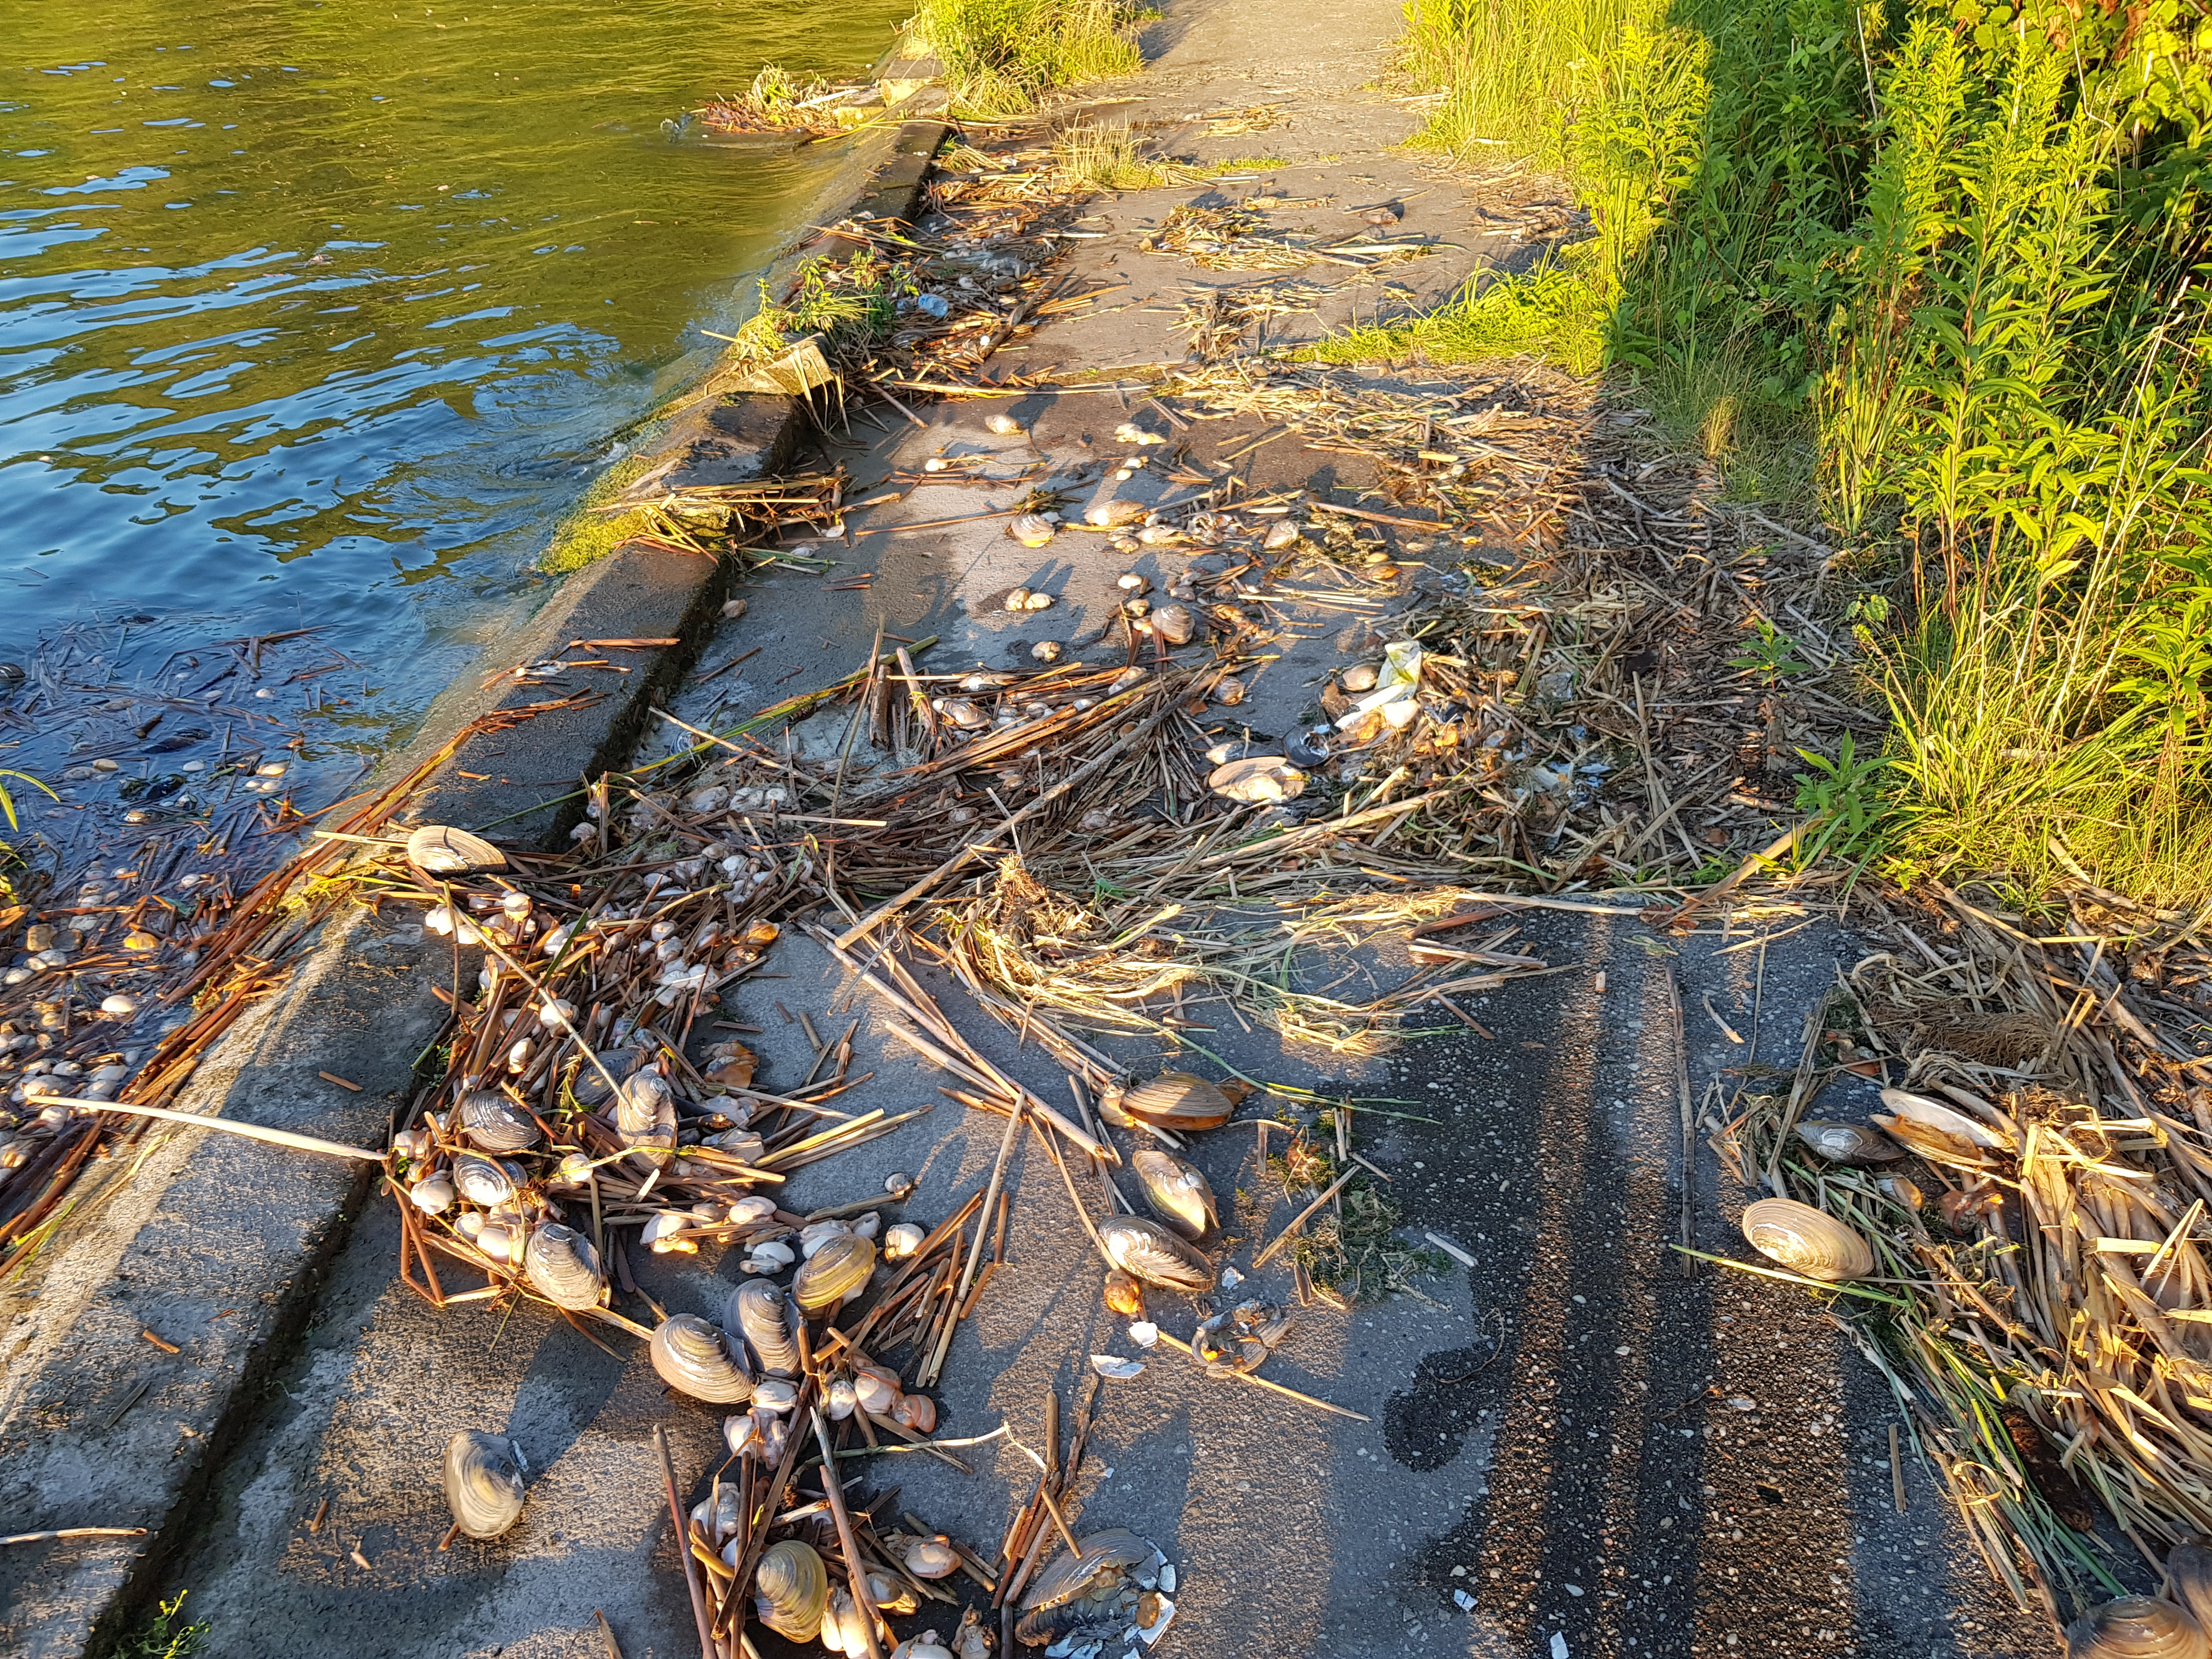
x=837, y=1270
x=1145, y=1250
x=694, y=1358
x=1088, y=1584
x=1806, y=1241
x=933, y=1558
x=438, y=849
x=1176, y=1191
x=1176, y=1100
x=2189, y=1581
x=2136, y=1627
x=591, y=1088
x=1850, y=1143
x=564, y=1268
x=483, y=1483
x=484, y=1181
x=755, y=1311
x=496, y=1123
x=791, y=1589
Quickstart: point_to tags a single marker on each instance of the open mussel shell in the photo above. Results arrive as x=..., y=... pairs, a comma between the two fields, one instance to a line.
x=1145, y=1250
x=835, y=1271
x=694, y=1358
x=1102, y=1563
x=1806, y=1241
x=791, y=1589
x=1849, y=1143
x=755, y=1311
x=2136, y=1627
x=1945, y=1119
x=484, y=1181
x=564, y=1268
x=439, y=849
x=1176, y=1191
x=2189, y=1581
x=1176, y=1100
x=483, y=1483
x=496, y=1123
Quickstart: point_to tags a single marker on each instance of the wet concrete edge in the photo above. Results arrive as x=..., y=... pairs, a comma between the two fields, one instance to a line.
x=218, y=1246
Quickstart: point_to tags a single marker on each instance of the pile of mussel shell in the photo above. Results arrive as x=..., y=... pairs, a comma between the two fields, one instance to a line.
x=1113, y=1589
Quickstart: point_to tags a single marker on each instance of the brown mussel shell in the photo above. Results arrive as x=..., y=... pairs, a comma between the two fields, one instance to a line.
x=791, y=1589
x=1102, y=1562
x=2136, y=1627
x=1145, y=1250
x=756, y=1312
x=1178, y=1193
x=694, y=1358
x=1850, y=1143
x=833, y=1273
x=564, y=1268
x=495, y=1123
x=2189, y=1581
x=483, y=1483
x=1176, y=1100
x=1806, y=1240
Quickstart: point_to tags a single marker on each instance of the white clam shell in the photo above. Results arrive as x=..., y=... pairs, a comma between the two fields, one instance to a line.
x=695, y=1358
x=2136, y=1627
x=483, y=1483
x=1806, y=1241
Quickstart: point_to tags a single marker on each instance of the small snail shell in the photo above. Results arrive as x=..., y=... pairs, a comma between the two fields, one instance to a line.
x=791, y=1589
x=483, y=1483
x=902, y=1240
x=564, y=1267
x=1125, y=1295
x=2135, y=1627
x=1808, y=1241
x=695, y=1358
x=917, y=1412
x=874, y=1394
x=932, y=1557
x=839, y=1269
x=755, y=1312
x=1148, y=1251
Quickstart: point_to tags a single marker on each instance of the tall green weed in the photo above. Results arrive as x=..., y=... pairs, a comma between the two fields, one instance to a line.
x=1002, y=55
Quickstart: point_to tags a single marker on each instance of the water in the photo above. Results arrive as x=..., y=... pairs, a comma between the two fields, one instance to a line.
x=320, y=314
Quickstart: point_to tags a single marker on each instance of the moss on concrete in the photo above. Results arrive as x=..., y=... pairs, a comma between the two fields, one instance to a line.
x=588, y=535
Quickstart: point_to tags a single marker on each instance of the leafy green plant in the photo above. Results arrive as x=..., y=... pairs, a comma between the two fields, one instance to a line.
x=161, y=1638
x=1001, y=57
x=1847, y=800
x=1769, y=655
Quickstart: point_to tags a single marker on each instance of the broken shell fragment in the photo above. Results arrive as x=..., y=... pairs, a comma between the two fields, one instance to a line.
x=1132, y=583
x=564, y=1268
x=791, y=1589
x=1806, y=1240
x=695, y=1358
x=839, y=1269
x=1280, y=534
x=1849, y=1143
x=1148, y=1251
x=2136, y=1627
x=1005, y=425
x=483, y=1483
x=1078, y=1583
x=1229, y=693
x=1177, y=1191
x=438, y=849
x=1119, y=1371
x=1262, y=778
x=1031, y=530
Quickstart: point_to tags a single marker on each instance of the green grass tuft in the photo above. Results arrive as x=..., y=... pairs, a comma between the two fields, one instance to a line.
x=1003, y=57
x=1553, y=313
